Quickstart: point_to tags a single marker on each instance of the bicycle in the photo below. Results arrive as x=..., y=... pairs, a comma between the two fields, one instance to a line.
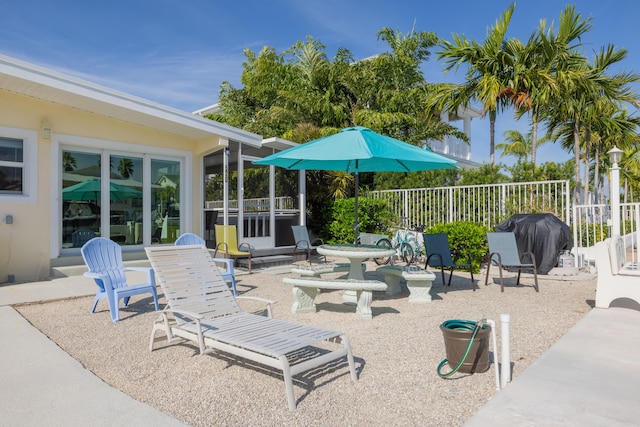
x=406, y=241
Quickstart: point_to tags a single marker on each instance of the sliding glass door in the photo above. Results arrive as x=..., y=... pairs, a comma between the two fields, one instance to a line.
x=132, y=199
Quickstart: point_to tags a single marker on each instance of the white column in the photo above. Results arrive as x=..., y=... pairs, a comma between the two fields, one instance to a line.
x=272, y=205
x=225, y=186
x=302, y=196
x=615, y=154
x=614, y=196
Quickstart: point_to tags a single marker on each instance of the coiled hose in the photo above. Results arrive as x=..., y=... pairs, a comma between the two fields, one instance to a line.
x=460, y=325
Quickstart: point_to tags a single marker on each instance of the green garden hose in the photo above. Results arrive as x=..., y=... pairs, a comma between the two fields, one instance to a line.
x=460, y=325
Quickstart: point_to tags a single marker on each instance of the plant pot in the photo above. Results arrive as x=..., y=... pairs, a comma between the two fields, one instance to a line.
x=456, y=342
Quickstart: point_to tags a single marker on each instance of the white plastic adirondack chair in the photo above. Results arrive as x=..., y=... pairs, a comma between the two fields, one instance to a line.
x=192, y=239
x=104, y=260
x=204, y=310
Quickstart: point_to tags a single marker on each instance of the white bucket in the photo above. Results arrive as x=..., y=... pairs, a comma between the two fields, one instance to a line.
x=565, y=260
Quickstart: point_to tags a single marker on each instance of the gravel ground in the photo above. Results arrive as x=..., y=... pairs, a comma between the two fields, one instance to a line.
x=396, y=355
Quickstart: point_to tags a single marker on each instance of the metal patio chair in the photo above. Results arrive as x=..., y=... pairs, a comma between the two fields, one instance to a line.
x=503, y=253
x=439, y=256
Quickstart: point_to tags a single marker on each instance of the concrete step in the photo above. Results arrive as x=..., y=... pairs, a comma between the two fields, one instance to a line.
x=265, y=261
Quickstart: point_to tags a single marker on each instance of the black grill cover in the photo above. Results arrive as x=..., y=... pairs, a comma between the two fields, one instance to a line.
x=544, y=235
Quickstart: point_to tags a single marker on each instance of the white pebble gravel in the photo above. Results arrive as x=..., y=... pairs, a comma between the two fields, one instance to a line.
x=396, y=354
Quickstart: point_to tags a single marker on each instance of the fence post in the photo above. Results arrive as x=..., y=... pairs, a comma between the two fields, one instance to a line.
x=614, y=193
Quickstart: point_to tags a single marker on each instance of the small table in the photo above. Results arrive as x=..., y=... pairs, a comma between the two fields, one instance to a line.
x=355, y=254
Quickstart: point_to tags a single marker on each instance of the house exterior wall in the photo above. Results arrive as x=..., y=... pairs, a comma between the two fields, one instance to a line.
x=29, y=243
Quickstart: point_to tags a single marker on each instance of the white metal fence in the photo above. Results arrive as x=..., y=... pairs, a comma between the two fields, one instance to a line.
x=483, y=204
x=491, y=204
x=592, y=224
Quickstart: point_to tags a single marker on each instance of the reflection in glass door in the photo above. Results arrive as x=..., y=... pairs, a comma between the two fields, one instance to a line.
x=125, y=200
x=81, y=208
x=165, y=201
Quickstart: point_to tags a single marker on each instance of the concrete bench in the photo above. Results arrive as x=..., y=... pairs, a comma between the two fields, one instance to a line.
x=617, y=278
x=317, y=270
x=305, y=290
x=418, y=281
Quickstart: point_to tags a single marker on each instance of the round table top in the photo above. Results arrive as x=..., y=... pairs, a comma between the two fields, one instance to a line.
x=353, y=251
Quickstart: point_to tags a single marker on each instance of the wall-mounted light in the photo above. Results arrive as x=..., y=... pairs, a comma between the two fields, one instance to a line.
x=46, y=129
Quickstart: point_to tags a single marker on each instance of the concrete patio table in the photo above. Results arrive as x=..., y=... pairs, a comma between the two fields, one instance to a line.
x=355, y=255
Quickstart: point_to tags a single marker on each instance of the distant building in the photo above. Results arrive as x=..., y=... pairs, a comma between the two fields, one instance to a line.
x=453, y=147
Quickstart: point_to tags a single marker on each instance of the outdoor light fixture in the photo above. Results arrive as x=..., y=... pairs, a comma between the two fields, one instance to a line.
x=615, y=154
x=46, y=129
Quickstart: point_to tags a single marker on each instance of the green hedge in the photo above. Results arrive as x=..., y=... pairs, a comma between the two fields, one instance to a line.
x=464, y=238
x=373, y=216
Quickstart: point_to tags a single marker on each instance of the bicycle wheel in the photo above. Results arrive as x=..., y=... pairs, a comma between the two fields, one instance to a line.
x=384, y=260
x=406, y=253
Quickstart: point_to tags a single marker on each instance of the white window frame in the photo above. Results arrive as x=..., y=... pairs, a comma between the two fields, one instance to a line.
x=29, y=165
x=71, y=142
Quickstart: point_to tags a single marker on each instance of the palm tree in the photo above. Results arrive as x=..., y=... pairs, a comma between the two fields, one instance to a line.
x=125, y=167
x=68, y=161
x=542, y=65
x=519, y=145
x=580, y=109
x=489, y=70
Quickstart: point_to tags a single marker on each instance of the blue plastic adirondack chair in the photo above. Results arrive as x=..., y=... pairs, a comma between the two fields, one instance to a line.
x=503, y=252
x=103, y=257
x=439, y=255
x=228, y=275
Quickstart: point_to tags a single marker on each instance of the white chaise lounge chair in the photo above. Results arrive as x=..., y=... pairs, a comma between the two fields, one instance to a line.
x=201, y=308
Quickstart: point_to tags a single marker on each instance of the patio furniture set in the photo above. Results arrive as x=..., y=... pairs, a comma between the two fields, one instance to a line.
x=203, y=309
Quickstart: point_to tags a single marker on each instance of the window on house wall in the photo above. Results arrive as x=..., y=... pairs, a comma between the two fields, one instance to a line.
x=18, y=165
x=11, y=166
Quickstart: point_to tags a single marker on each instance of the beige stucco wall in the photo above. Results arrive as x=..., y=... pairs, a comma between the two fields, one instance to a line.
x=25, y=245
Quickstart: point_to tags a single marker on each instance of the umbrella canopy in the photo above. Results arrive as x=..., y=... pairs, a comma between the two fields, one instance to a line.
x=90, y=190
x=358, y=149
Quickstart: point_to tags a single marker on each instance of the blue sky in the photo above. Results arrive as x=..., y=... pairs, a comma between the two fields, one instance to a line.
x=178, y=52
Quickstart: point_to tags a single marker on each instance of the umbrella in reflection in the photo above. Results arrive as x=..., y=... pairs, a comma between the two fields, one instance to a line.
x=91, y=188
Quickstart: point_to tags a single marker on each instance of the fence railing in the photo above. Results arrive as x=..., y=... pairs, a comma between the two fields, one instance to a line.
x=483, y=204
x=283, y=203
x=592, y=224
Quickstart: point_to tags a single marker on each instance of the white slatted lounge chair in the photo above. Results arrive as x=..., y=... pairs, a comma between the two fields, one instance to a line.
x=204, y=310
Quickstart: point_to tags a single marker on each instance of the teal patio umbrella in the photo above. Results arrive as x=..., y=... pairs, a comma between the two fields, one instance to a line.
x=358, y=149
x=90, y=190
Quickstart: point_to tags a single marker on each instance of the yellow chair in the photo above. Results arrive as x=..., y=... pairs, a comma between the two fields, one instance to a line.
x=227, y=242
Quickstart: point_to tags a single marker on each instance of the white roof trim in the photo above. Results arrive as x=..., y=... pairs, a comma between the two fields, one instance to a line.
x=45, y=84
x=278, y=143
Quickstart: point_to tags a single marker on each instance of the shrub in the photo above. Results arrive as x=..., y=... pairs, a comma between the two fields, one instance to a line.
x=464, y=238
x=373, y=217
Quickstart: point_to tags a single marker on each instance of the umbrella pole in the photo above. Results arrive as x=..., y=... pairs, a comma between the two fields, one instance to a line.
x=356, y=225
